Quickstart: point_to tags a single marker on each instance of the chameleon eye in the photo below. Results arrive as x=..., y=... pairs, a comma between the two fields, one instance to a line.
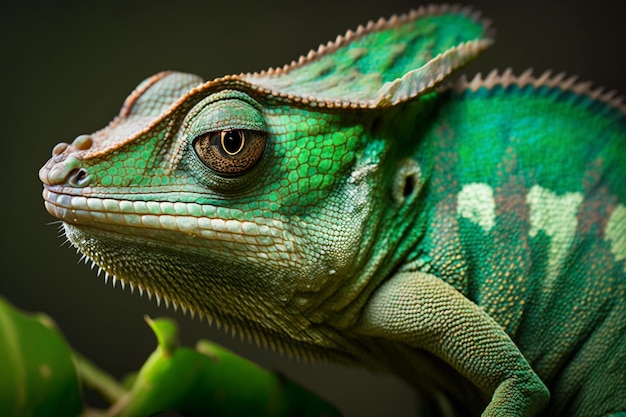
x=230, y=152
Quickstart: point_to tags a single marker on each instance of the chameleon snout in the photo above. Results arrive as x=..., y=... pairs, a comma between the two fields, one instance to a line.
x=64, y=167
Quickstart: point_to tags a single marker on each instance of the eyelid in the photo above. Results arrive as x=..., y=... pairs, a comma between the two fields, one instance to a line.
x=225, y=114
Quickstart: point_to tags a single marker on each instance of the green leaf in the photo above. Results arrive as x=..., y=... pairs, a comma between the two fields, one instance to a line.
x=38, y=376
x=212, y=381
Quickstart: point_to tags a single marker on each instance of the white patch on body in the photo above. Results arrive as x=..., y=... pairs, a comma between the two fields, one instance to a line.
x=475, y=202
x=616, y=233
x=555, y=215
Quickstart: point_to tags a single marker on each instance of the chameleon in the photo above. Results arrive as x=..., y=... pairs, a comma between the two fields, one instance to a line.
x=365, y=205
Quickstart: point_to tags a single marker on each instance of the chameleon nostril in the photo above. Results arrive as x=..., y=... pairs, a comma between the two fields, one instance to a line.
x=78, y=177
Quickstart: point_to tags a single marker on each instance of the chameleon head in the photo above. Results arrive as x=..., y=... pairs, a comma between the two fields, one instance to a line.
x=220, y=204
x=267, y=200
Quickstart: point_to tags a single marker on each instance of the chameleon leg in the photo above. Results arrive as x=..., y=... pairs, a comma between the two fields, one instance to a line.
x=423, y=311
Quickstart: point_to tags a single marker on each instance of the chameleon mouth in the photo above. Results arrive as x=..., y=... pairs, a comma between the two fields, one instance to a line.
x=191, y=226
x=119, y=215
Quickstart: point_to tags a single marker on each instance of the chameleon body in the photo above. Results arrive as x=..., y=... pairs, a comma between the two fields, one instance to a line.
x=358, y=206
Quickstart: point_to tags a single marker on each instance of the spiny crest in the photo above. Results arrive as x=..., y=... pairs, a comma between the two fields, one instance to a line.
x=553, y=81
x=379, y=25
x=381, y=64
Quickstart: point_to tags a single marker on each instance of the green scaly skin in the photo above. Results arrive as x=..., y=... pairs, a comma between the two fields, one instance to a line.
x=356, y=206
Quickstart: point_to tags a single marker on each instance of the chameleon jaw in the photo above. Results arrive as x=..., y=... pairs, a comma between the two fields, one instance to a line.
x=89, y=221
x=263, y=322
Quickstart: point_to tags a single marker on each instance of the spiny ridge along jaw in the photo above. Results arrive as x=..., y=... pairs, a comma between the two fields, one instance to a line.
x=102, y=269
x=150, y=292
x=249, y=331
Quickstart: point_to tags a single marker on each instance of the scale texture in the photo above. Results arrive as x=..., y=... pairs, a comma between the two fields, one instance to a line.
x=360, y=205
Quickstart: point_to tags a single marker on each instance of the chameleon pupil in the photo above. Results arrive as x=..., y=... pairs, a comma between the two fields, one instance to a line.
x=232, y=141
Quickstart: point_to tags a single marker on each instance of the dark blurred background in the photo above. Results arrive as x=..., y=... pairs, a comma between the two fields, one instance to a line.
x=66, y=67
